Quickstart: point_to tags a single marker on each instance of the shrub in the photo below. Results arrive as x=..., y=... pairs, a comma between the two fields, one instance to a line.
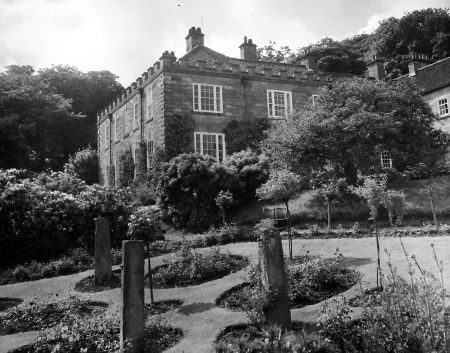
x=47, y=215
x=144, y=225
x=83, y=165
x=405, y=317
x=191, y=267
x=252, y=169
x=188, y=188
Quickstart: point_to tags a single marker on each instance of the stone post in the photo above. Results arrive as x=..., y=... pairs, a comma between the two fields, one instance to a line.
x=102, y=271
x=273, y=279
x=132, y=306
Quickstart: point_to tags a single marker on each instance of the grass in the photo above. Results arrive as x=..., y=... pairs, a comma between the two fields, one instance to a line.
x=309, y=207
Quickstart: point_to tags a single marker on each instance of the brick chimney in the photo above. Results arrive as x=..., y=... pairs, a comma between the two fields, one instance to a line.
x=248, y=50
x=376, y=68
x=416, y=62
x=194, y=38
x=308, y=59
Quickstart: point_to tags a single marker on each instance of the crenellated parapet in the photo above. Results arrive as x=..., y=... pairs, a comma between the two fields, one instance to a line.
x=247, y=68
x=167, y=59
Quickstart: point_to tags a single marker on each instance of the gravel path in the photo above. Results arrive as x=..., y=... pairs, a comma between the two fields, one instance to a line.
x=199, y=317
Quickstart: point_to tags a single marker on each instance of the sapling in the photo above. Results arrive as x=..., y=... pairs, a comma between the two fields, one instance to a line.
x=329, y=191
x=429, y=191
x=372, y=191
x=224, y=200
x=282, y=185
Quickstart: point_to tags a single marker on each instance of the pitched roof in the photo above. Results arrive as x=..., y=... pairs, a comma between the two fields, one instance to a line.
x=434, y=76
x=209, y=56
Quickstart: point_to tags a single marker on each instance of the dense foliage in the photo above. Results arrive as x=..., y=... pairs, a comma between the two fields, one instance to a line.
x=352, y=123
x=243, y=135
x=46, y=215
x=424, y=31
x=83, y=165
x=189, y=186
x=191, y=267
x=46, y=117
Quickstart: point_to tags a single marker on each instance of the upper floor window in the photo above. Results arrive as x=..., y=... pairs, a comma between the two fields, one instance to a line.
x=279, y=103
x=149, y=103
x=443, y=107
x=210, y=144
x=386, y=160
x=207, y=98
x=136, y=115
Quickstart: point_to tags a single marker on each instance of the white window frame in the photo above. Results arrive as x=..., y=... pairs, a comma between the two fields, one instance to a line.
x=443, y=107
x=287, y=102
x=150, y=151
x=198, y=144
x=136, y=114
x=314, y=97
x=386, y=160
x=197, y=99
x=150, y=110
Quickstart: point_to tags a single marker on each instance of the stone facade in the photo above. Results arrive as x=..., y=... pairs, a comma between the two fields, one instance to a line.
x=238, y=89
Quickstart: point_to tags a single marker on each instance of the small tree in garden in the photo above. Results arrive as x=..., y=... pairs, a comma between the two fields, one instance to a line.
x=373, y=192
x=430, y=190
x=329, y=191
x=224, y=200
x=282, y=186
x=395, y=203
x=144, y=225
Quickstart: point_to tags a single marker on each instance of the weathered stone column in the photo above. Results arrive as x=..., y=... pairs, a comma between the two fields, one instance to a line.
x=273, y=279
x=132, y=306
x=102, y=271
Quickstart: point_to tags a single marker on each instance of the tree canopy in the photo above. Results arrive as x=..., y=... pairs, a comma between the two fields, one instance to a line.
x=49, y=115
x=351, y=124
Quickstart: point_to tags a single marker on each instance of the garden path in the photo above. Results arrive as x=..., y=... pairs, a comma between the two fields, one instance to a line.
x=199, y=317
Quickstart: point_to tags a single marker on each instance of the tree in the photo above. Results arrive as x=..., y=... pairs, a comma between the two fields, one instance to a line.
x=38, y=129
x=282, y=186
x=269, y=52
x=372, y=191
x=351, y=124
x=422, y=31
x=329, y=191
x=83, y=165
x=224, y=200
x=333, y=56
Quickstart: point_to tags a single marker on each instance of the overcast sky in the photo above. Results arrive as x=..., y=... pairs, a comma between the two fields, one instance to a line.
x=127, y=36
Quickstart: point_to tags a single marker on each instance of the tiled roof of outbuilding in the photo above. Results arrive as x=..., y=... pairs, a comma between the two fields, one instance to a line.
x=434, y=76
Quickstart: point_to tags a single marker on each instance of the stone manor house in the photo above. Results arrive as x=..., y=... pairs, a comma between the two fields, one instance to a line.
x=210, y=90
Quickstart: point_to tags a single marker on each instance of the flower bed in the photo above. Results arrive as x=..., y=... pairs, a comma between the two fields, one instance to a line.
x=191, y=268
x=41, y=315
x=6, y=303
x=311, y=280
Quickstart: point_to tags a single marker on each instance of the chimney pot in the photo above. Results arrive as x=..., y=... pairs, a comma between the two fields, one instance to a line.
x=248, y=50
x=194, y=38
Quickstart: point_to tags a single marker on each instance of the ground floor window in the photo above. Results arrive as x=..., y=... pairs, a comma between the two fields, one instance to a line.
x=210, y=144
x=386, y=160
x=150, y=151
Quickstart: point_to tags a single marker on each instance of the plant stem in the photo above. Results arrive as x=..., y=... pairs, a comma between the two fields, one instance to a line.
x=379, y=284
x=329, y=215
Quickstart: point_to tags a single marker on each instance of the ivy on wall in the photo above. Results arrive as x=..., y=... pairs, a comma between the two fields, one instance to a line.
x=178, y=130
x=126, y=169
x=242, y=135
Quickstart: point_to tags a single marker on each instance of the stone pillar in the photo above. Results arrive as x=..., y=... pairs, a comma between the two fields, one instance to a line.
x=132, y=306
x=102, y=271
x=273, y=279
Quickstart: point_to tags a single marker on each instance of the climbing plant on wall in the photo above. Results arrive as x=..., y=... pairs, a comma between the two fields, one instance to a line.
x=178, y=129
